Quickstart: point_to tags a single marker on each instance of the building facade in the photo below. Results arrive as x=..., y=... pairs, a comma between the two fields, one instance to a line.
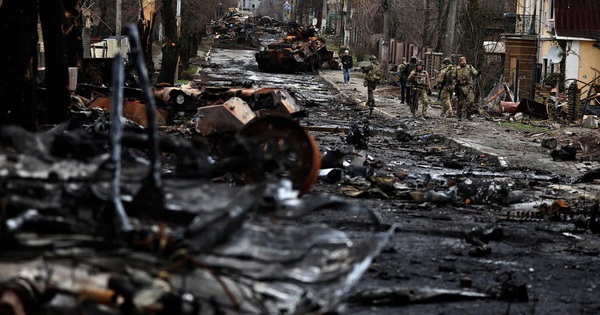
x=248, y=5
x=552, y=38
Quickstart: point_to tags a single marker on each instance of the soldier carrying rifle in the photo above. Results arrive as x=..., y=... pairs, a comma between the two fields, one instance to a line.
x=421, y=89
x=465, y=74
x=446, y=82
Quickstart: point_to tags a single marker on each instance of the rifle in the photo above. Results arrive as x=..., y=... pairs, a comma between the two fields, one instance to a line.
x=460, y=95
x=441, y=88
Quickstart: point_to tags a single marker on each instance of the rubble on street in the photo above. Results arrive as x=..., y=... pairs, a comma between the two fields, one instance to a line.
x=256, y=191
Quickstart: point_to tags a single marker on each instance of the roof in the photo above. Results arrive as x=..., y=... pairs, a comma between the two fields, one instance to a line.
x=577, y=18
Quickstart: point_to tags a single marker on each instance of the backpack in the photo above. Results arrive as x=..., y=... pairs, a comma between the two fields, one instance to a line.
x=376, y=73
x=408, y=69
x=449, y=76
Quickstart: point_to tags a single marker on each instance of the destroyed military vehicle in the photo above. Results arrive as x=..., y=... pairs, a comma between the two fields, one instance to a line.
x=298, y=51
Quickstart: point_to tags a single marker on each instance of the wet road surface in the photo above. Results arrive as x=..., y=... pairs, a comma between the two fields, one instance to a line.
x=538, y=266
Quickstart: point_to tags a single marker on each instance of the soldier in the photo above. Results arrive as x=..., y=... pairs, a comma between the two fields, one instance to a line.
x=405, y=96
x=372, y=76
x=464, y=88
x=421, y=88
x=401, y=77
x=445, y=83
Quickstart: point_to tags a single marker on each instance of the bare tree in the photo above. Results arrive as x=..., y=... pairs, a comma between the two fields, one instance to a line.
x=196, y=14
x=61, y=28
x=145, y=25
x=18, y=63
x=366, y=31
x=170, y=47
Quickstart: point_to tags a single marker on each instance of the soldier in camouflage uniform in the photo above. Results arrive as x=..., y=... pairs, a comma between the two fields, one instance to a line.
x=372, y=76
x=464, y=88
x=445, y=82
x=421, y=88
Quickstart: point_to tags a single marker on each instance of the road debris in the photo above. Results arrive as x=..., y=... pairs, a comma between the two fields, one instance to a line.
x=108, y=229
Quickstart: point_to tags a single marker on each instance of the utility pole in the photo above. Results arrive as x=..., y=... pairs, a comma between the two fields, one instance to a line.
x=450, y=24
x=348, y=24
x=178, y=17
x=86, y=31
x=386, y=31
x=178, y=22
x=118, y=22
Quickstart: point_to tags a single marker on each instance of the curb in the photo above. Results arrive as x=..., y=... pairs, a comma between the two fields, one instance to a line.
x=454, y=143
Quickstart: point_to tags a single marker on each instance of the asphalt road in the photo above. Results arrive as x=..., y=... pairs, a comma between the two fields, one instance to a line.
x=536, y=266
x=541, y=263
x=485, y=221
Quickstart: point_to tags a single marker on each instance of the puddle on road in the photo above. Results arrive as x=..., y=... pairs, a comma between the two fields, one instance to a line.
x=240, y=65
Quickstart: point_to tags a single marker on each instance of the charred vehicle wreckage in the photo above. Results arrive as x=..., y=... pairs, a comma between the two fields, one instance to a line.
x=237, y=29
x=300, y=50
x=213, y=198
x=93, y=221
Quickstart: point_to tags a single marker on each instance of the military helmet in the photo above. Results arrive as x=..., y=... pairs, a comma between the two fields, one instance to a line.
x=446, y=61
x=420, y=63
x=372, y=57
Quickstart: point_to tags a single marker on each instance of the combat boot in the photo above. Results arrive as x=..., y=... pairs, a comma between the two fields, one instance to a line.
x=469, y=114
x=371, y=105
x=450, y=112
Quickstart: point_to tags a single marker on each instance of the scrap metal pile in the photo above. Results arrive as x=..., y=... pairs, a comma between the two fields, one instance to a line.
x=298, y=51
x=93, y=223
x=235, y=29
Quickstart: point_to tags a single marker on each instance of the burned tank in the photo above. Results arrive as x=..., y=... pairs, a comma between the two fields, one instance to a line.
x=295, y=52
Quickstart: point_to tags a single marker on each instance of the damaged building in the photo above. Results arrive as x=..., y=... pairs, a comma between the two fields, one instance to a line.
x=553, y=49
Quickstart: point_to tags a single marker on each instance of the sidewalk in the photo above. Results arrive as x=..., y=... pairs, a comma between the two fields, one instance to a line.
x=512, y=149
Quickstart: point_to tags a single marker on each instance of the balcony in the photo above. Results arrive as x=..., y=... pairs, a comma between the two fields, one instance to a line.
x=519, y=24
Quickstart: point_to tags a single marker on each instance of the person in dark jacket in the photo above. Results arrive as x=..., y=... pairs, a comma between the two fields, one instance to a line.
x=346, y=66
x=405, y=95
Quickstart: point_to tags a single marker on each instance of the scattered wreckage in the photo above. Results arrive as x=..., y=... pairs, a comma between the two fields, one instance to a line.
x=298, y=51
x=548, y=103
x=219, y=112
x=90, y=230
x=235, y=29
